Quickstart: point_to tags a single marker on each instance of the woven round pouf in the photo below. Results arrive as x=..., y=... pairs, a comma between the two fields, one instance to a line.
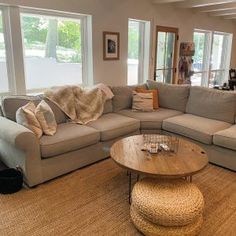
x=150, y=229
x=168, y=202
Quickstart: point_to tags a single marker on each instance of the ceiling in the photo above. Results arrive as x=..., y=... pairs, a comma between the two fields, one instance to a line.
x=216, y=8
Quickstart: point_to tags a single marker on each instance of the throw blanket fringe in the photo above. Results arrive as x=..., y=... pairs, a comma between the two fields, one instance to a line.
x=80, y=105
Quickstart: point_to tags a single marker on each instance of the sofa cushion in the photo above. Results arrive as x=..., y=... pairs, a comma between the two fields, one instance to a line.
x=107, y=107
x=123, y=97
x=69, y=137
x=212, y=104
x=60, y=116
x=171, y=96
x=10, y=104
x=1, y=113
x=194, y=127
x=226, y=138
x=114, y=125
x=151, y=120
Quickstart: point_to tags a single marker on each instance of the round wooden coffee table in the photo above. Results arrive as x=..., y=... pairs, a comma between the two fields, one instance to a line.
x=187, y=161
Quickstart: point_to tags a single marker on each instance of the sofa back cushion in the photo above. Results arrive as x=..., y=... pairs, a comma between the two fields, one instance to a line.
x=123, y=97
x=171, y=96
x=60, y=116
x=107, y=107
x=10, y=104
x=1, y=113
x=212, y=104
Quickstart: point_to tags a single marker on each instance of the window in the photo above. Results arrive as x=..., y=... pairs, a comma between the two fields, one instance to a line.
x=41, y=49
x=212, y=58
x=138, y=51
x=53, y=50
x=4, y=77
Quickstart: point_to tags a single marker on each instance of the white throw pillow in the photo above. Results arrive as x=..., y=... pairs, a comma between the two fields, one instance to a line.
x=46, y=118
x=26, y=116
x=142, y=101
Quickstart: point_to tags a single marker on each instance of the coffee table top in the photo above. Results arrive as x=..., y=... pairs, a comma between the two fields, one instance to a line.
x=189, y=159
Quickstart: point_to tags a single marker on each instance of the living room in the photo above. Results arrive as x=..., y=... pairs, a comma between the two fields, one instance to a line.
x=116, y=117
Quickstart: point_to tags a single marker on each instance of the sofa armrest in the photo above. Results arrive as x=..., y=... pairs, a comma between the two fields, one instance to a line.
x=17, y=135
x=20, y=147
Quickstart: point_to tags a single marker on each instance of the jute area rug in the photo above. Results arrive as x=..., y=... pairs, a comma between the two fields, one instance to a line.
x=94, y=201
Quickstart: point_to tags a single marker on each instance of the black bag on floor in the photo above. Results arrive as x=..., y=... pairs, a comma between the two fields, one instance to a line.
x=11, y=180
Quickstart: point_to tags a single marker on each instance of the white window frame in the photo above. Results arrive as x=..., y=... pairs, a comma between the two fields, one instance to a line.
x=144, y=50
x=9, y=52
x=15, y=48
x=225, y=57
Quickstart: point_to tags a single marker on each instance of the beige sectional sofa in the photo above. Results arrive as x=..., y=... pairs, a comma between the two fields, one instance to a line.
x=202, y=115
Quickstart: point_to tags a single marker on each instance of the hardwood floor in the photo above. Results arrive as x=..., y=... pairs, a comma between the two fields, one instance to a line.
x=94, y=201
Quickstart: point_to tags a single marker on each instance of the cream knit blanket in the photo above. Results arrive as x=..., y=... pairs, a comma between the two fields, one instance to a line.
x=80, y=105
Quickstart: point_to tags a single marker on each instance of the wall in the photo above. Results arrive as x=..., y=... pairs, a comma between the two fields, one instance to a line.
x=112, y=15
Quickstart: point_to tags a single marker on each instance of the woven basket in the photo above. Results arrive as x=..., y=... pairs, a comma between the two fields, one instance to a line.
x=168, y=202
x=150, y=229
x=11, y=181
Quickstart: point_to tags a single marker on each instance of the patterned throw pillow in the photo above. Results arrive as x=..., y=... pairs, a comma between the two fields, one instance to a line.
x=142, y=101
x=154, y=93
x=46, y=118
x=25, y=116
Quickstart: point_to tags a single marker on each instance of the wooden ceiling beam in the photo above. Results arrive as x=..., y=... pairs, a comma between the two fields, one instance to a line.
x=166, y=1
x=202, y=3
x=224, y=12
x=230, y=17
x=218, y=7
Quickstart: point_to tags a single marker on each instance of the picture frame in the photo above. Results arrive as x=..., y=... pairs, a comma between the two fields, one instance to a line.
x=111, y=45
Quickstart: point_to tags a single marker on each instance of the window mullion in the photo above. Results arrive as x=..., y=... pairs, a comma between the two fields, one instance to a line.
x=209, y=43
x=8, y=48
x=86, y=47
x=141, y=52
x=17, y=50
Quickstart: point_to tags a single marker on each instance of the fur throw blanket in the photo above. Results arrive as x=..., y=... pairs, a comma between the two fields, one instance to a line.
x=80, y=105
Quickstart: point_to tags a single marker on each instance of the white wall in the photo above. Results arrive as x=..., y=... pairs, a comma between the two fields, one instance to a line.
x=112, y=15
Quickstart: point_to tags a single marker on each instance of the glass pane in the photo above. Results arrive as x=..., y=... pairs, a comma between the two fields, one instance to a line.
x=165, y=50
x=199, y=40
x=160, y=76
x=165, y=57
x=217, y=78
x=161, y=49
x=170, y=46
x=133, y=52
x=4, y=86
x=216, y=57
x=164, y=76
x=52, y=48
x=196, y=79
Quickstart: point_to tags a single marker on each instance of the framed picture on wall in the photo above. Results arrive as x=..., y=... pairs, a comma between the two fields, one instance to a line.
x=111, y=46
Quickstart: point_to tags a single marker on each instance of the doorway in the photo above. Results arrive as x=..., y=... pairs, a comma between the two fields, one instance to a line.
x=166, y=54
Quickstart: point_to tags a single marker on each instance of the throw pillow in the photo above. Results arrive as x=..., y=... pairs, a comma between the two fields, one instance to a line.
x=142, y=101
x=46, y=118
x=25, y=116
x=154, y=93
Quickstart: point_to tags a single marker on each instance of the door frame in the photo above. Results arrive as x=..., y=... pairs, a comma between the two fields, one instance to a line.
x=168, y=30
